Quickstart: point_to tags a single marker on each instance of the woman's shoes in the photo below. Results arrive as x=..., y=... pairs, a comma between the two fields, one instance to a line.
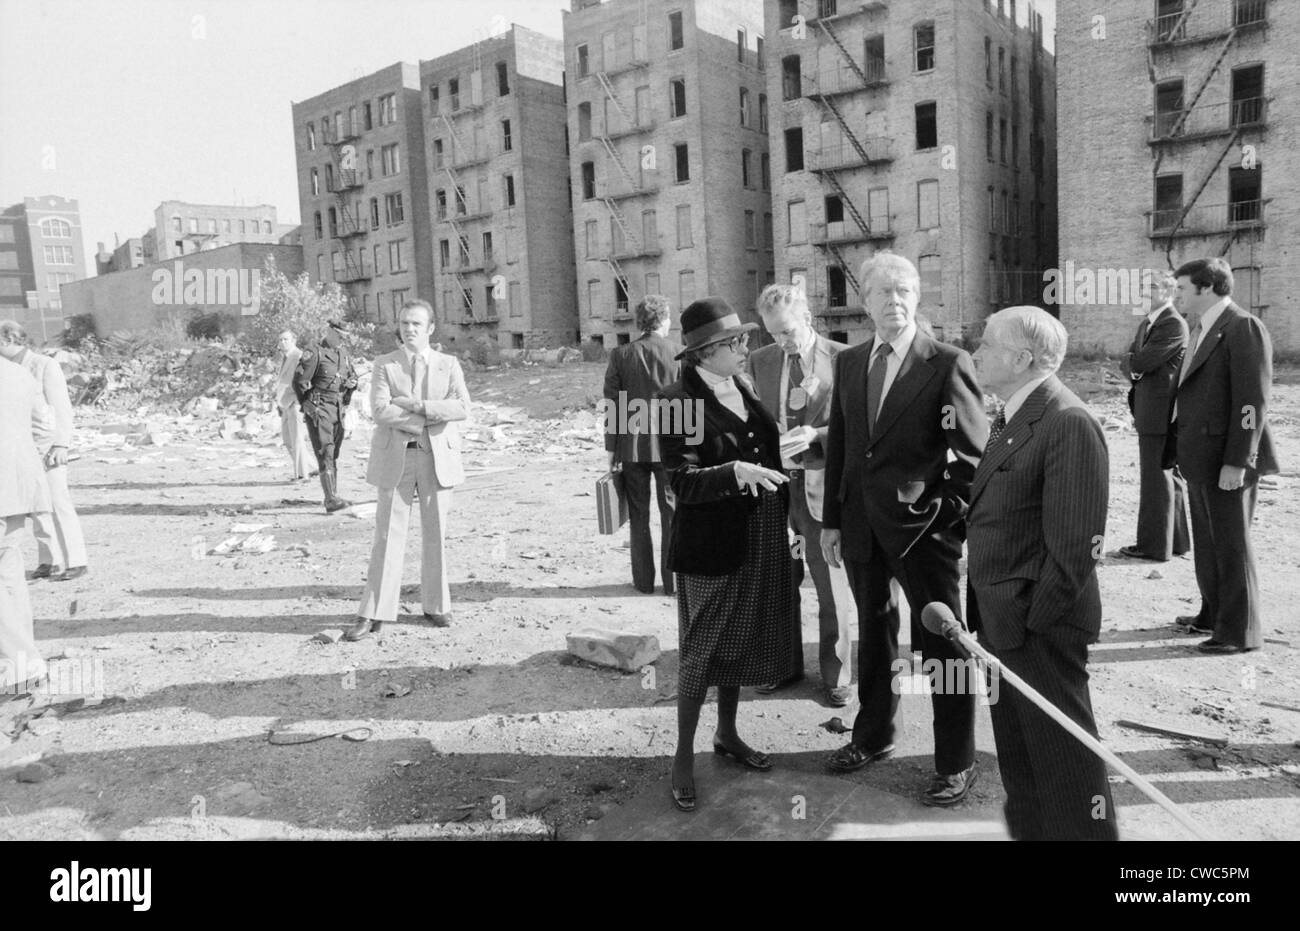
x=684, y=799
x=752, y=759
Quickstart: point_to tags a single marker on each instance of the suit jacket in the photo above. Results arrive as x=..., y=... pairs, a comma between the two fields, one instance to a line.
x=1223, y=400
x=1036, y=522
x=711, y=521
x=446, y=400
x=1152, y=364
x=23, y=489
x=899, y=483
x=638, y=370
x=54, y=392
x=764, y=366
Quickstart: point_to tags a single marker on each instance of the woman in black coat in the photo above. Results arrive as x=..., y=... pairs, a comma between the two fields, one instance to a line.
x=729, y=545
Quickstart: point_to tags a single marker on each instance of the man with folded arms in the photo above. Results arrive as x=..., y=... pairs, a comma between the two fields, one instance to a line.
x=417, y=395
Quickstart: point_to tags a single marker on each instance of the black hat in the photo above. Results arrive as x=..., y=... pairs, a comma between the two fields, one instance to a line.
x=710, y=320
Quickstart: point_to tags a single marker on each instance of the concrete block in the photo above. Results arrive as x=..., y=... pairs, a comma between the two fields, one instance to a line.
x=625, y=651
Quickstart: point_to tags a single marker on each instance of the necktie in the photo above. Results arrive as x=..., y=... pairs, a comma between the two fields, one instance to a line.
x=876, y=385
x=1192, y=340
x=999, y=424
x=793, y=416
x=417, y=376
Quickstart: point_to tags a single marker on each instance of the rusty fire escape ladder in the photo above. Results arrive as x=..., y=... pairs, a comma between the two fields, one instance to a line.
x=848, y=204
x=1205, y=181
x=1205, y=82
x=617, y=269
x=857, y=69
x=630, y=243
x=844, y=125
x=609, y=92
x=844, y=267
x=618, y=162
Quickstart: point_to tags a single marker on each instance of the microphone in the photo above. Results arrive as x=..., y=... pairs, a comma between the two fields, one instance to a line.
x=937, y=618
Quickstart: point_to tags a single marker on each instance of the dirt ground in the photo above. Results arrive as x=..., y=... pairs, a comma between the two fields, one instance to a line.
x=201, y=656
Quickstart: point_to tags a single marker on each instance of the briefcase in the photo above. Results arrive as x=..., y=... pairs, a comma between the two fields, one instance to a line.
x=611, y=503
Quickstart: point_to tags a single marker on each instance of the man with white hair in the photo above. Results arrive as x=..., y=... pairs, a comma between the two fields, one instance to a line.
x=1152, y=365
x=292, y=430
x=906, y=429
x=60, y=544
x=794, y=376
x=1035, y=531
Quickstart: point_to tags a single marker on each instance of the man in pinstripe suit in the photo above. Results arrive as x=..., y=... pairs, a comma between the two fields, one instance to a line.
x=1035, y=532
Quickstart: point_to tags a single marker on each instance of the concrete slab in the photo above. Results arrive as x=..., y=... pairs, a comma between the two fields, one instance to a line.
x=786, y=803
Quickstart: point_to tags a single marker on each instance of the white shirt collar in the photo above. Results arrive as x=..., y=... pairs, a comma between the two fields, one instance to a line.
x=712, y=379
x=410, y=356
x=899, y=344
x=1212, y=312
x=1017, y=400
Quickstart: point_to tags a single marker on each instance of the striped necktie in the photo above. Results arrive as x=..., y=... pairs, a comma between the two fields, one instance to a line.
x=999, y=424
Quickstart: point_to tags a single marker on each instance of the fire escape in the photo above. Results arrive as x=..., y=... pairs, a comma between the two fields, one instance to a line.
x=627, y=244
x=1172, y=33
x=832, y=163
x=349, y=222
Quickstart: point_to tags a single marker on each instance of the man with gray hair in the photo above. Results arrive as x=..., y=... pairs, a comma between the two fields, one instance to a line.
x=906, y=429
x=1035, y=531
x=793, y=378
x=1152, y=365
x=61, y=546
x=637, y=372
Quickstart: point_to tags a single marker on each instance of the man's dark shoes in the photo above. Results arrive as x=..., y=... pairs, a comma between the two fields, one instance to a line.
x=838, y=697
x=45, y=571
x=1193, y=624
x=851, y=757
x=749, y=757
x=438, y=620
x=949, y=790
x=1132, y=552
x=1218, y=647
x=68, y=575
x=363, y=629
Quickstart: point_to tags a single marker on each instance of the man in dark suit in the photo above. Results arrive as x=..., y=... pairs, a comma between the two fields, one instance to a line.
x=636, y=373
x=1035, y=530
x=793, y=377
x=895, y=504
x=1224, y=446
x=1152, y=365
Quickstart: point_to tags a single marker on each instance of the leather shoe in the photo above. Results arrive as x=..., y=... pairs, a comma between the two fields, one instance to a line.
x=1132, y=552
x=684, y=799
x=838, y=697
x=1218, y=647
x=768, y=688
x=949, y=790
x=363, y=629
x=851, y=757
x=45, y=571
x=67, y=575
x=438, y=620
x=1192, y=624
x=751, y=758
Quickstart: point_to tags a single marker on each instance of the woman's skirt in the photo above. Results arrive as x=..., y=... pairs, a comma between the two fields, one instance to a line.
x=735, y=629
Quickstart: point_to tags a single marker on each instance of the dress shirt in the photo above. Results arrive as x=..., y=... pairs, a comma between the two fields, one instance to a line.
x=899, y=345
x=423, y=436
x=1017, y=399
x=1209, y=319
x=725, y=390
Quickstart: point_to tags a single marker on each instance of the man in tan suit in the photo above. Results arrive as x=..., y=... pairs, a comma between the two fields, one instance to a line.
x=292, y=430
x=416, y=395
x=793, y=380
x=61, y=546
x=23, y=493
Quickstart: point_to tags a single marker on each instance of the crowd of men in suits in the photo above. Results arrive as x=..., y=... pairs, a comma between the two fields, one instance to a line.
x=893, y=462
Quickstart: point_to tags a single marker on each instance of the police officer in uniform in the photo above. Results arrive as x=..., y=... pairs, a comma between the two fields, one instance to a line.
x=324, y=383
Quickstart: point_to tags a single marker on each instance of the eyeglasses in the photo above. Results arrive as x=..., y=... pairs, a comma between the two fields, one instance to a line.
x=737, y=343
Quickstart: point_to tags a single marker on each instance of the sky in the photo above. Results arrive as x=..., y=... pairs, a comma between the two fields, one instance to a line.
x=123, y=104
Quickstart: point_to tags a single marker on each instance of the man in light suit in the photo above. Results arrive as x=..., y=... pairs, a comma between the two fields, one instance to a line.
x=638, y=372
x=1224, y=446
x=292, y=431
x=23, y=493
x=1035, y=530
x=793, y=378
x=907, y=426
x=1152, y=366
x=61, y=546
x=417, y=395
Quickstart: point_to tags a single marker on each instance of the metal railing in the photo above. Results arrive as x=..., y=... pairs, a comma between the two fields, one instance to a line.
x=1205, y=219
x=846, y=155
x=1214, y=118
x=844, y=80
x=848, y=231
x=1206, y=23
